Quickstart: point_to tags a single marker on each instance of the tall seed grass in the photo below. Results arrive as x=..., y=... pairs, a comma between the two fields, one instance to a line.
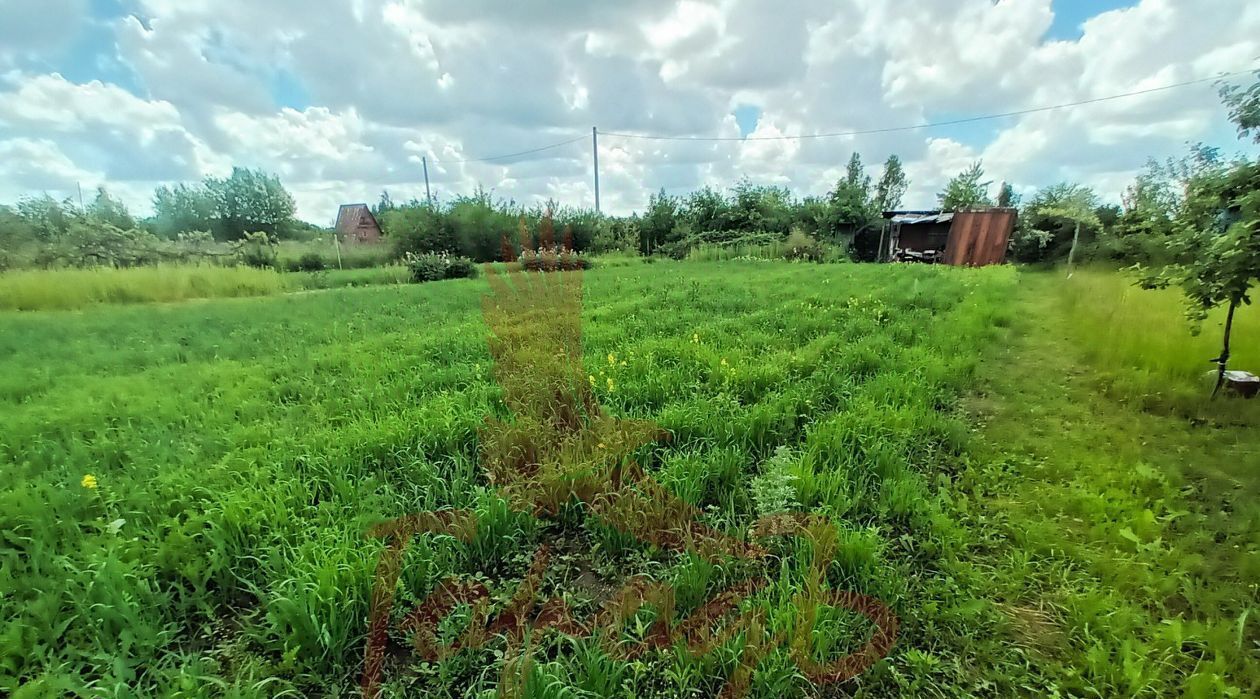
x=1143, y=340
x=38, y=290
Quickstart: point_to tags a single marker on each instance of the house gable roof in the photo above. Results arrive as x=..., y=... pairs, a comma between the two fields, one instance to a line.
x=348, y=216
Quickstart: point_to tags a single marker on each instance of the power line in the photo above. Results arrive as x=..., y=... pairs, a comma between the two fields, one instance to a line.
x=511, y=155
x=935, y=124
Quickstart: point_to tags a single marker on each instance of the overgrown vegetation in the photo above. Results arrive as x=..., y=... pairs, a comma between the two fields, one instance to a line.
x=75, y=288
x=233, y=554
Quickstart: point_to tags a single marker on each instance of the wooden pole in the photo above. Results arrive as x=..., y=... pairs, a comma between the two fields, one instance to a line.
x=1072, y=253
x=424, y=161
x=595, y=161
x=1222, y=360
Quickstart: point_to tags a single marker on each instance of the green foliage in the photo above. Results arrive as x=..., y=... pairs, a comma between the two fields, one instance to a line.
x=62, y=289
x=257, y=249
x=1047, y=222
x=248, y=201
x=1243, y=104
x=892, y=186
x=1141, y=341
x=772, y=489
x=800, y=246
x=181, y=208
x=965, y=190
x=242, y=536
x=110, y=211
x=1215, y=246
x=309, y=262
x=1007, y=196
x=432, y=267
x=853, y=209
x=553, y=259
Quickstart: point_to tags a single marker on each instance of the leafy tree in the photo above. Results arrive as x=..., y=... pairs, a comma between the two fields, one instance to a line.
x=707, y=210
x=659, y=222
x=49, y=218
x=758, y=208
x=1007, y=196
x=1244, y=108
x=181, y=209
x=965, y=190
x=892, y=186
x=386, y=203
x=1215, y=244
x=1216, y=248
x=853, y=209
x=249, y=201
x=1051, y=223
x=106, y=209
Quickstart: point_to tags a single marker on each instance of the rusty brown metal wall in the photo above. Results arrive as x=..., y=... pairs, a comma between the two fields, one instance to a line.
x=979, y=238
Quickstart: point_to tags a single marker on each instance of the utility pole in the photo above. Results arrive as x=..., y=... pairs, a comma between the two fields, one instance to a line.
x=424, y=160
x=595, y=160
x=80, y=187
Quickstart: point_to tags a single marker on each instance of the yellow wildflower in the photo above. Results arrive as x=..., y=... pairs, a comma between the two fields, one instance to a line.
x=695, y=337
x=612, y=358
x=601, y=445
x=623, y=362
x=723, y=361
x=592, y=378
x=611, y=385
x=89, y=482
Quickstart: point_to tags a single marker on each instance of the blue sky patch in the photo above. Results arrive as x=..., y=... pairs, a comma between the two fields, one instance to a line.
x=746, y=116
x=1069, y=15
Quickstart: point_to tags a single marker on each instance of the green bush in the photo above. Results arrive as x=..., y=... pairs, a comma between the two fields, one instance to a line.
x=460, y=268
x=555, y=259
x=800, y=246
x=257, y=250
x=308, y=262
x=433, y=267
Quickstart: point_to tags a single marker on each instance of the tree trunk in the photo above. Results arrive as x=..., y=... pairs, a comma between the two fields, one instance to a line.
x=1222, y=360
x=1072, y=253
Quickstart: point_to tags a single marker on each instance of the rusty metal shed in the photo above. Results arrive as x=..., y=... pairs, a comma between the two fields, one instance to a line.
x=971, y=237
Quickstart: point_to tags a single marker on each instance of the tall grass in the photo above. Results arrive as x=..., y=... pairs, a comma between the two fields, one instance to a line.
x=1141, y=337
x=346, y=256
x=34, y=290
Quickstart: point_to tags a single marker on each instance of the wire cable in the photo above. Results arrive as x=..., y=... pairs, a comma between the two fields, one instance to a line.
x=510, y=155
x=931, y=125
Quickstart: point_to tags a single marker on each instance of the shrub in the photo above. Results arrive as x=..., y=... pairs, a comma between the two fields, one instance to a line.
x=432, y=267
x=553, y=259
x=460, y=268
x=308, y=262
x=257, y=250
x=800, y=246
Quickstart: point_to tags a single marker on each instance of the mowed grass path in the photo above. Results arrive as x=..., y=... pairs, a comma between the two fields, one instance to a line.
x=241, y=448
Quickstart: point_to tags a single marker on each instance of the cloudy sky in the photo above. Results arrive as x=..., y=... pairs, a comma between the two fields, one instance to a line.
x=342, y=99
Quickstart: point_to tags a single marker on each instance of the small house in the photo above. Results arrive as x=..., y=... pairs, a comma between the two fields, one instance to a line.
x=356, y=224
x=971, y=237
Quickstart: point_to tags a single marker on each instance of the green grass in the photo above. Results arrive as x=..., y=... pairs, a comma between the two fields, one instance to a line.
x=1142, y=341
x=339, y=278
x=78, y=288
x=344, y=257
x=1038, y=532
x=1119, y=537
x=243, y=448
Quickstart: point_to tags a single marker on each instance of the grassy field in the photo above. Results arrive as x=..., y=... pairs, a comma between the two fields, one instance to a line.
x=78, y=288
x=191, y=488
x=71, y=289
x=1113, y=508
x=1142, y=342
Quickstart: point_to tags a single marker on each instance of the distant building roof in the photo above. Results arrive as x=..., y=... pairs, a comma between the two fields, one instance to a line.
x=348, y=216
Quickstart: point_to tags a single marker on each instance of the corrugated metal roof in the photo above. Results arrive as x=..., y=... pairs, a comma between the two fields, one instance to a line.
x=911, y=219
